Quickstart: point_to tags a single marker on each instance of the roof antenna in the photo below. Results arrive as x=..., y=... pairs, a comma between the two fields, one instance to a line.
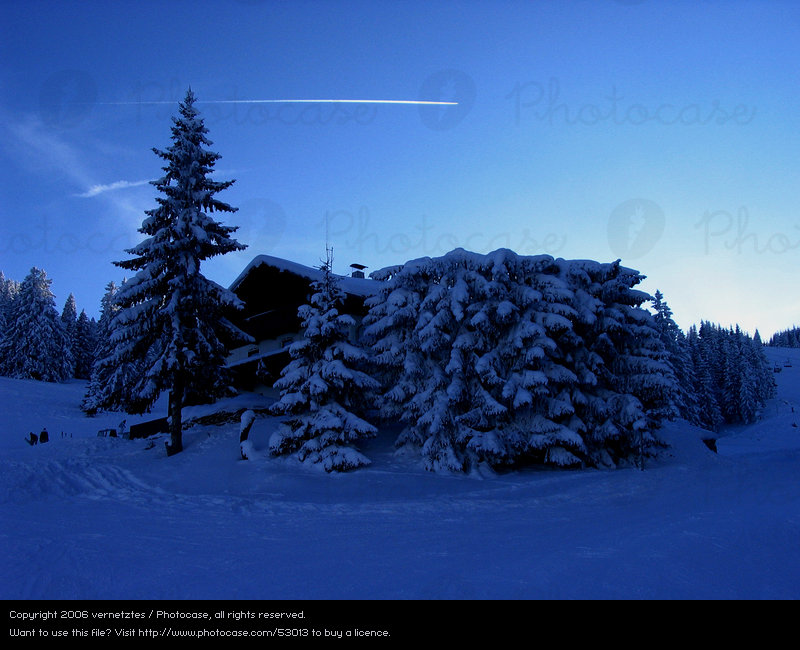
x=329, y=257
x=328, y=247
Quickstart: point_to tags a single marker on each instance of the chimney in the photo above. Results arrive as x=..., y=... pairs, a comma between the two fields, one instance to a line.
x=357, y=270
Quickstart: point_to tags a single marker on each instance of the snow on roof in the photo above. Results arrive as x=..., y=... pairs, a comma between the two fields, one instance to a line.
x=355, y=286
x=370, y=286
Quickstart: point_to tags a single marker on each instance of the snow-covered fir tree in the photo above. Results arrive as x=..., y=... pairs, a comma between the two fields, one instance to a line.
x=466, y=342
x=324, y=388
x=34, y=345
x=84, y=345
x=765, y=378
x=709, y=415
x=733, y=372
x=69, y=322
x=8, y=291
x=389, y=328
x=626, y=387
x=679, y=357
x=760, y=380
x=431, y=371
x=517, y=307
x=504, y=359
x=749, y=402
x=69, y=315
x=735, y=379
x=109, y=379
x=172, y=319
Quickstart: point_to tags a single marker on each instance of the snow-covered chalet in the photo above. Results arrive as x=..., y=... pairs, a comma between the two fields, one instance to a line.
x=272, y=289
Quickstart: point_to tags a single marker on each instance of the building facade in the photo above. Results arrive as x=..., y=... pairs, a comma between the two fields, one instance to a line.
x=272, y=290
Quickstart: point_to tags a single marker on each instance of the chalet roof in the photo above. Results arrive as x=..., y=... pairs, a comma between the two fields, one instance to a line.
x=355, y=286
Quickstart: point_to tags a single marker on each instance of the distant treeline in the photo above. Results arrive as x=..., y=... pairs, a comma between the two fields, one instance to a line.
x=35, y=341
x=716, y=375
x=786, y=339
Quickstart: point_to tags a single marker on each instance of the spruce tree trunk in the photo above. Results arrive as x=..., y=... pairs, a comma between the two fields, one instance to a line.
x=175, y=416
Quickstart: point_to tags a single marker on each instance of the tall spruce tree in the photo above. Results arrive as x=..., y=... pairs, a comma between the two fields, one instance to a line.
x=324, y=387
x=171, y=318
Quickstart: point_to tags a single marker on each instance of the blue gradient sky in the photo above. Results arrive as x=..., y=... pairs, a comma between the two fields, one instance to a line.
x=665, y=133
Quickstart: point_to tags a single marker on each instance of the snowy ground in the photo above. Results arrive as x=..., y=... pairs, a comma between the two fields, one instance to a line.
x=98, y=518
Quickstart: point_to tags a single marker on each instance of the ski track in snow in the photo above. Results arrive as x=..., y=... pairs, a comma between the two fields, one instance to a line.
x=101, y=518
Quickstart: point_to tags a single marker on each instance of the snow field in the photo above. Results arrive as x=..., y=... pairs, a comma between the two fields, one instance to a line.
x=101, y=518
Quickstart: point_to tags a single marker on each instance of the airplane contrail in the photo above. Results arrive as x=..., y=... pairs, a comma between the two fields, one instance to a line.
x=295, y=101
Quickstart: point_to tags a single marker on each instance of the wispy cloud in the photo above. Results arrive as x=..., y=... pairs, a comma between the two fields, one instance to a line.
x=51, y=155
x=43, y=151
x=94, y=190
